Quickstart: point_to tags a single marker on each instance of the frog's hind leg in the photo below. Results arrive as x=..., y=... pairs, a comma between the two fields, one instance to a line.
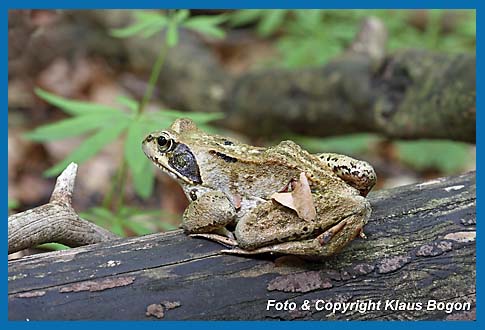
x=357, y=173
x=326, y=244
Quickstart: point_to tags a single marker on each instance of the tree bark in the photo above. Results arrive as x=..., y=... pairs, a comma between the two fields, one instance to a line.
x=55, y=221
x=420, y=246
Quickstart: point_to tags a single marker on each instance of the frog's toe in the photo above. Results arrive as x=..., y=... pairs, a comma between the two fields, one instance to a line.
x=239, y=251
x=227, y=241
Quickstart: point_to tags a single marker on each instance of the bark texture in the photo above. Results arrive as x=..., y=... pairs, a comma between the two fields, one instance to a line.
x=420, y=245
x=54, y=222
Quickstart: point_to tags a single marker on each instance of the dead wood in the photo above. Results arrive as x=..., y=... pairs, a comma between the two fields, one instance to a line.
x=55, y=221
x=420, y=246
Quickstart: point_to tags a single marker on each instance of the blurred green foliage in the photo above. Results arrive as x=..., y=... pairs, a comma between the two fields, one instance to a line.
x=313, y=37
x=100, y=125
x=131, y=219
x=104, y=125
x=447, y=156
x=12, y=204
x=149, y=23
x=303, y=38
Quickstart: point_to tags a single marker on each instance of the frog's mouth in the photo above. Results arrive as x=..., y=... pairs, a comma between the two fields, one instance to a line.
x=170, y=171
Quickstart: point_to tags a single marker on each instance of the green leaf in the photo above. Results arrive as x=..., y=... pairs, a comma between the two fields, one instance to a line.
x=99, y=215
x=133, y=153
x=144, y=179
x=245, y=16
x=53, y=246
x=117, y=228
x=446, y=156
x=102, y=212
x=131, y=30
x=181, y=15
x=172, y=34
x=207, y=25
x=271, y=22
x=147, y=24
x=128, y=102
x=71, y=127
x=74, y=108
x=12, y=204
x=91, y=146
x=137, y=227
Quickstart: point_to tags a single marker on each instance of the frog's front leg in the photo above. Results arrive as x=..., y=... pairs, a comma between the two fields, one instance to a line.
x=209, y=215
x=357, y=173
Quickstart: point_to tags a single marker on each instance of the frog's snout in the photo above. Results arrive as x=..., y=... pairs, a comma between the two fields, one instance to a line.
x=145, y=145
x=148, y=139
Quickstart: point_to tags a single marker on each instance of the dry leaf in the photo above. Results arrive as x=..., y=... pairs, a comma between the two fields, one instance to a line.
x=299, y=199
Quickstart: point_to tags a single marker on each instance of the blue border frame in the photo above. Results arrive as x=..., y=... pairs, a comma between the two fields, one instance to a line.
x=339, y=4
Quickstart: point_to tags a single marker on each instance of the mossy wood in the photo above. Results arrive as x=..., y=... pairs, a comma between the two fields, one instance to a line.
x=420, y=245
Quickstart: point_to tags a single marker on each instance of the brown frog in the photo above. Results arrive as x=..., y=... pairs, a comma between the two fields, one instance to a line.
x=280, y=199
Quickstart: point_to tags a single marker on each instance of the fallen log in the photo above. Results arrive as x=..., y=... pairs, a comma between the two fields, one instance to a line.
x=408, y=94
x=420, y=248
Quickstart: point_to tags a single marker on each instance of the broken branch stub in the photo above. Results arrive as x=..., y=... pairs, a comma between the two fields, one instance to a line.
x=55, y=221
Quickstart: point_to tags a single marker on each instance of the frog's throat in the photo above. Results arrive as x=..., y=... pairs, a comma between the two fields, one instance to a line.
x=169, y=171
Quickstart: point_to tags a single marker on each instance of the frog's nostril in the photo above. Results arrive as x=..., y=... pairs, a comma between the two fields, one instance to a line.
x=149, y=138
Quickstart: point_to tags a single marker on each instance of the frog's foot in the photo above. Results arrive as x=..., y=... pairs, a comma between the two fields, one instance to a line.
x=325, y=237
x=224, y=240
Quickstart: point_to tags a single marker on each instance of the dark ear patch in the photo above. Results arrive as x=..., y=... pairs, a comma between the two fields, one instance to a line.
x=183, y=161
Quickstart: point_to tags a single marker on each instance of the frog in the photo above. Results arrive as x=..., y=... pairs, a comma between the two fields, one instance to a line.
x=237, y=192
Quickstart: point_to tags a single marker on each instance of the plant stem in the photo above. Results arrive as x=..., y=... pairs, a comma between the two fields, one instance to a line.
x=157, y=68
x=121, y=183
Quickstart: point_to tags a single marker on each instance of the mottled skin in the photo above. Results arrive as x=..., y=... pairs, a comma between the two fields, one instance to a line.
x=230, y=184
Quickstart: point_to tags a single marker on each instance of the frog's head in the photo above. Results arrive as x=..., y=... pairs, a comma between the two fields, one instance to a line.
x=187, y=153
x=167, y=150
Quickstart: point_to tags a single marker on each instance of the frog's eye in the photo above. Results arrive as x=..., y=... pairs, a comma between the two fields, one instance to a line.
x=164, y=144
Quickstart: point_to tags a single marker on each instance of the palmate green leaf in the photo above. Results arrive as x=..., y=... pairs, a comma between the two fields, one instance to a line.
x=132, y=150
x=207, y=25
x=75, y=108
x=144, y=179
x=71, y=127
x=91, y=145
